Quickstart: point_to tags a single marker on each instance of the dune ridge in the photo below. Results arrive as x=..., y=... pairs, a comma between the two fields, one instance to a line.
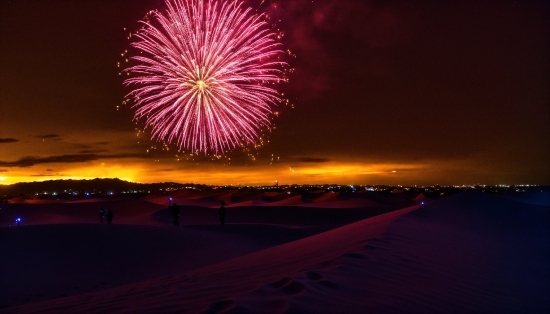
x=469, y=252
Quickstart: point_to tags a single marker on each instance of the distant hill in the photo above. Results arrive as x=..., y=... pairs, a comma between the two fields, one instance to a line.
x=99, y=186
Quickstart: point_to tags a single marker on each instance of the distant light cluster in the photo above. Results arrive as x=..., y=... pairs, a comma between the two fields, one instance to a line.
x=206, y=75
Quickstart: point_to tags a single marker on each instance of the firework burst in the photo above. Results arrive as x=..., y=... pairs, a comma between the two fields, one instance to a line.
x=206, y=74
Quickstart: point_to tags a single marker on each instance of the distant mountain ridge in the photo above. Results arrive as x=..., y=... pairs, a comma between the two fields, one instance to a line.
x=82, y=186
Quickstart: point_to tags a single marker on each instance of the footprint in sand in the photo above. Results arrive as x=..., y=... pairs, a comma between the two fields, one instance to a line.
x=320, y=279
x=313, y=276
x=328, y=284
x=369, y=247
x=378, y=240
x=281, y=283
x=221, y=306
x=355, y=255
x=294, y=288
x=289, y=286
x=327, y=265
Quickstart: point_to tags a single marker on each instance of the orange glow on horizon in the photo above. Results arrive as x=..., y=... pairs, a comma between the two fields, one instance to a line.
x=176, y=167
x=218, y=174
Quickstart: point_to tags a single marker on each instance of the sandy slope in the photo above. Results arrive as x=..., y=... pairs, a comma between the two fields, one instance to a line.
x=209, y=287
x=469, y=252
x=50, y=261
x=61, y=249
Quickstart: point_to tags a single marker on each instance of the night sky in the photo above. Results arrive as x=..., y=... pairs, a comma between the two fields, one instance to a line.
x=384, y=92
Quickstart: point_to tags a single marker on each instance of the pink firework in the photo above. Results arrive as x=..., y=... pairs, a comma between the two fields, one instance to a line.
x=205, y=75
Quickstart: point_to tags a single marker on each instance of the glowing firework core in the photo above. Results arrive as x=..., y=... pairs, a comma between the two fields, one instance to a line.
x=205, y=75
x=201, y=85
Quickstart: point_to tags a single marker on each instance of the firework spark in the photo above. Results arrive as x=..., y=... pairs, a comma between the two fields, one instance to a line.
x=206, y=75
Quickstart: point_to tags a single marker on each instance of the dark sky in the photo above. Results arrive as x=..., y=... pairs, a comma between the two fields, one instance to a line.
x=396, y=92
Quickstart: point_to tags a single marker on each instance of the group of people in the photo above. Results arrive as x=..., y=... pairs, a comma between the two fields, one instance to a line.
x=176, y=213
x=103, y=213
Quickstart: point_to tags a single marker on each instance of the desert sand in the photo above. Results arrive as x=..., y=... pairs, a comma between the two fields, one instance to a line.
x=279, y=252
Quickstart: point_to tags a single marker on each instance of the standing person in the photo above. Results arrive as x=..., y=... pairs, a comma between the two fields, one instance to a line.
x=222, y=213
x=176, y=213
x=109, y=216
x=101, y=214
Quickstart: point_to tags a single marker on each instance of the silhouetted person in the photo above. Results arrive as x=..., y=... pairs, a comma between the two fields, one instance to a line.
x=109, y=216
x=101, y=215
x=176, y=213
x=222, y=213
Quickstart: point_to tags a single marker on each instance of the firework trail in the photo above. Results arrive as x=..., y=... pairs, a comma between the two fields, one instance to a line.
x=206, y=74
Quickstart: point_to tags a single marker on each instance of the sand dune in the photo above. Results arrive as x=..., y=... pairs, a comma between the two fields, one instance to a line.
x=348, y=203
x=249, y=197
x=271, y=197
x=286, y=201
x=51, y=261
x=199, y=289
x=320, y=196
x=470, y=252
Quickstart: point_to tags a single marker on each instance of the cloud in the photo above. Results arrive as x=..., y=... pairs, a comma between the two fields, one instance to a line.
x=313, y=160
x=412, y=169
x=93, y=151
x=55, y=137
x=92, y=148
x=126, y=155
x=30, y=161
x=8, y=140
